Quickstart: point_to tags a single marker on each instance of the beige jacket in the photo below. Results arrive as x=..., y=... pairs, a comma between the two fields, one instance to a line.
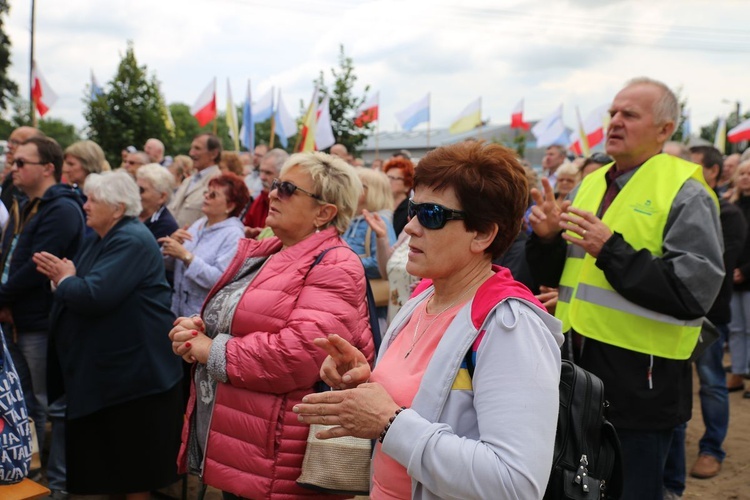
x=187, y=201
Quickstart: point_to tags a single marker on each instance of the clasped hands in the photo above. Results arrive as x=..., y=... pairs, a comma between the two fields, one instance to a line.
x=360, y=408
x=53, y=267
x=189, y=339
x=579, y=227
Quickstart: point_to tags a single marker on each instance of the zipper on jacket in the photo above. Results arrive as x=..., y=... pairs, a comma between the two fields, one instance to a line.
x=650, y=374
x=208, y=431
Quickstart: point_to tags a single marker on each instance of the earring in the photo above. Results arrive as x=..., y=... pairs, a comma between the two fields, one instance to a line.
x=317, y=229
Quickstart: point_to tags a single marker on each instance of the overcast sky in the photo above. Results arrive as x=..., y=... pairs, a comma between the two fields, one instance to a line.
x=570, y=52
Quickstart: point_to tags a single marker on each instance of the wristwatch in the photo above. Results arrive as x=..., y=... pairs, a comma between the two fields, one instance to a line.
x=188, y=259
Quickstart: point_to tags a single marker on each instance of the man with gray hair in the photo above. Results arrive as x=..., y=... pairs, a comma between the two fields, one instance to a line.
x=270, y=166
x=637, y=255
x=554, y=158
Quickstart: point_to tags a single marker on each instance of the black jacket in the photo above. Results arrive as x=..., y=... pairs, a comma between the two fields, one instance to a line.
x=110, y=323
x=734, y=230
x=53, y=223
x=743, y=262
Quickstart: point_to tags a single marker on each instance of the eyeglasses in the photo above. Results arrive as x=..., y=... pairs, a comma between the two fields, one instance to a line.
x=600, y=158
x=20, y=163
x=394, y=178
x=285, y=189
x=211, y=195
x=434, y=216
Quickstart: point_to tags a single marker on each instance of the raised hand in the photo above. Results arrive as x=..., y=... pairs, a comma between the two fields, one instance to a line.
x=345, y=366
x=545, y=214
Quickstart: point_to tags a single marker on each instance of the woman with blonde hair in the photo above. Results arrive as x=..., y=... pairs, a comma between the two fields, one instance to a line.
x=230, y=162
x=181, y=167
x=376, y=197
x=81, y=159
x=252, y=344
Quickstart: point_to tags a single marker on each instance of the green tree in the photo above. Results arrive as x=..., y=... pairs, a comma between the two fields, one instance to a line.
x=130, y=111
x=8, y=88
x=679, y=135
x=344, y=104
x=64, y=133
x=186, y=128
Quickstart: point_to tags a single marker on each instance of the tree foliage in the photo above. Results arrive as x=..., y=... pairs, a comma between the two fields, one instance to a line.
x=8, y=88
x=129, y=112
x=344, y=103
x=64, y=133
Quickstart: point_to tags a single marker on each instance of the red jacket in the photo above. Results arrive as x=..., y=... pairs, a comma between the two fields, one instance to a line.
x=255, y=443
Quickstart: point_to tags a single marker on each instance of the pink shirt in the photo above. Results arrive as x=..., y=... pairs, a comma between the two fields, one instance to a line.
x=401, y=375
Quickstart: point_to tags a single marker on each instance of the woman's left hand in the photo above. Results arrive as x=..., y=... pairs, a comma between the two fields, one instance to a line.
x=362, y=412
x=172, y=248
x=192, y=345
x=53, y=267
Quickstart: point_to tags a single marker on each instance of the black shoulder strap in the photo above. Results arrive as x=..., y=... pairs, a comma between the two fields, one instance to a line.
x=374, y=325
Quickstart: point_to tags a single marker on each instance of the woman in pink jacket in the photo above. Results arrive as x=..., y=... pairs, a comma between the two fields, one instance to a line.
x=253, y=343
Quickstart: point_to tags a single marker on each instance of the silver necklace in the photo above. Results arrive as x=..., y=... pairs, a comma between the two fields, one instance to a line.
x=418, y=335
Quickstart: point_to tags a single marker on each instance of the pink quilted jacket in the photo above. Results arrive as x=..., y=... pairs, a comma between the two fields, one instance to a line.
x=255, y=443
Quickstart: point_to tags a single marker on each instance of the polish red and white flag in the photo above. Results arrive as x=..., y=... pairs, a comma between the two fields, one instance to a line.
x=44, y=97
x=368, y=111
x=204, y=109
x=740, y=133
x=516, y=117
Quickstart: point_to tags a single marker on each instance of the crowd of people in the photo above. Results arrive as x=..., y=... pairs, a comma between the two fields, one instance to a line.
x=180, y=313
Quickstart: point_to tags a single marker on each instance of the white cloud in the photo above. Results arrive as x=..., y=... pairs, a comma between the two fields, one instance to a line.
x=575, y=52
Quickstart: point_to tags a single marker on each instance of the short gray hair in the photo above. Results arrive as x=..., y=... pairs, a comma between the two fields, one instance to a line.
x=335, y=181
x=667, y=107
x=279, y=156
x=115, y=188
x=160, y=178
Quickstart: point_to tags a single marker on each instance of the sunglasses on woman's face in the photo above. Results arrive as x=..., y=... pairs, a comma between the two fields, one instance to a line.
x=285, y=189
x=434, y=216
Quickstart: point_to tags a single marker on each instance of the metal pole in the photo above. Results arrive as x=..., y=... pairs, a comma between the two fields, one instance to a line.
x=31, y=68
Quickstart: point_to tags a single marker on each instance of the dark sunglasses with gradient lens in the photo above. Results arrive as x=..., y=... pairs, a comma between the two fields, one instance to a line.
x=20, y=162
x=434, y=216
x=285, y=189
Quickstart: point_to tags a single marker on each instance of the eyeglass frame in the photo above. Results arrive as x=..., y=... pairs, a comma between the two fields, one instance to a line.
x=449, y=214
x=20, y=163
x=276, y=183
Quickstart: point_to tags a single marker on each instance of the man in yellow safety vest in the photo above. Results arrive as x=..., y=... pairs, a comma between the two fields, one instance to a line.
x=637, y=255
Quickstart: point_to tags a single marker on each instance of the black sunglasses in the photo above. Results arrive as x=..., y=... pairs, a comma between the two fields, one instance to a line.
x=434, y=216
x=20, y=162
x=285, y=189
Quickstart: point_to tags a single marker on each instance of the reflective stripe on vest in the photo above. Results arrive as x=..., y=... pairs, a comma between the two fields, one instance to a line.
x=588, y=303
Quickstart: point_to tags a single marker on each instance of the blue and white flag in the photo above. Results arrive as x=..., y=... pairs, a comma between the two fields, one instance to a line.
x=247, y=132
x=96, y=90
x=285, y=125
x=263, y=108
x=414, y=114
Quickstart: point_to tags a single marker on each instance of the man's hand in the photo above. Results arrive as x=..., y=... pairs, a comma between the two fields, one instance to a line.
x=545, y=214
x=591, y=232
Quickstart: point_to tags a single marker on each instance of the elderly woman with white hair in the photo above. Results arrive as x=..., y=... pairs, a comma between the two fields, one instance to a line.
x=106, y=355
x=253, y=342
x=156, y=185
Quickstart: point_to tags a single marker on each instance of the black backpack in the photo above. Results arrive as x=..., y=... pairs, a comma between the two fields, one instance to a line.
x=587, y=463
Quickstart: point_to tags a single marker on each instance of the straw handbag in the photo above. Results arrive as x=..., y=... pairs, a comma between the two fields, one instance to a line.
x=338, y=466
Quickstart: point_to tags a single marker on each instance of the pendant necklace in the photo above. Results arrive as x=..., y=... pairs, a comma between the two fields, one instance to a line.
x=418, y=335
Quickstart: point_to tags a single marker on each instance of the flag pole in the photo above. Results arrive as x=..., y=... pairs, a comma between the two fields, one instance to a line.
x=377, y=139
x=429, y=98
x=273, y=132
x=32, y=101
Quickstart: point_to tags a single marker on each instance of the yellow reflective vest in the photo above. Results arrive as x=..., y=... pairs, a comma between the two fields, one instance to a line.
x=588, y=303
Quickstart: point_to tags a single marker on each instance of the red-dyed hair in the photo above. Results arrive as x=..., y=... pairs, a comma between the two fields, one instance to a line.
x=406, y=166
x=489, y=182
x=235, y=190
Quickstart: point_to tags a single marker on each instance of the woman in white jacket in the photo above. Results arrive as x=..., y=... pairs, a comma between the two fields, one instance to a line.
x=443, y=432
